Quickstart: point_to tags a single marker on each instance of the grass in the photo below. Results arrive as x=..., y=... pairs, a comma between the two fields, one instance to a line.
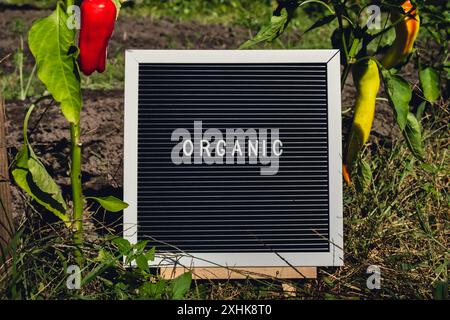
x=249, y=14
x=36, y=4
x=112, y=79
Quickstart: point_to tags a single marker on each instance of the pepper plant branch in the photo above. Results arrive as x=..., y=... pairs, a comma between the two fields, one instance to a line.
x=75, y=179
x=341, y=29
x=77, y=195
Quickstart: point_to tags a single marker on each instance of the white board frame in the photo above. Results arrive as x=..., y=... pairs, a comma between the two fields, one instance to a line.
x=192, y=259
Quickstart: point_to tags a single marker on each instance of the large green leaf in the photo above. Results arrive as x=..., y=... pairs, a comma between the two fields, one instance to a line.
x=399, y=94
x=281, y=18
x=110, y=203
x=123, y=245
x=181, y=285
x=142, y=262
x=270, y=32
x=413, y=136
x=51, y=43
x=429, y=81
x=31, y=175
x=44, y=181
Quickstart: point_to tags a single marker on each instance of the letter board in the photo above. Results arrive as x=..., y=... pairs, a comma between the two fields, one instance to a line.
x=233, y=157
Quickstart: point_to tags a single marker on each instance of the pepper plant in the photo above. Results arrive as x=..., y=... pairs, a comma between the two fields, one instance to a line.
x=52, y=41
x=362, y=55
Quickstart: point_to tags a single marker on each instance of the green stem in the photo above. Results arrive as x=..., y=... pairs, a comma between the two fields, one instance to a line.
x=343, y=40
x=345, y=75
x=350, y=62
x=75, y=179
x=77, y=194
x=20, y=63
x=29, y=82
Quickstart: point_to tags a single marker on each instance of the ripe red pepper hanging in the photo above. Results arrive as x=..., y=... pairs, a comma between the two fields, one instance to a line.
x=97, y=25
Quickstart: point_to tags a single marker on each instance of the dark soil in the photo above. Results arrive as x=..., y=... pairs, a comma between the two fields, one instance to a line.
x=102, y=115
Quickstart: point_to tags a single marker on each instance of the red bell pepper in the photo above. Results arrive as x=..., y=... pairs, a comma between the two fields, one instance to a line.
x=97, y=25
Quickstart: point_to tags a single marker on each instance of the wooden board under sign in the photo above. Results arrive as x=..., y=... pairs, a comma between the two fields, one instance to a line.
x=241, y=273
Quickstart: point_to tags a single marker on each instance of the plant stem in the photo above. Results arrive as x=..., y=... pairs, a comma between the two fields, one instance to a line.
x=29, y=82
x=77, y=194
x=350, y=61
x=75, y=179
x=20, y=63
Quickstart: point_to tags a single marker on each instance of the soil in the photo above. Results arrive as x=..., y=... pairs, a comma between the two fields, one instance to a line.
x=102, y=115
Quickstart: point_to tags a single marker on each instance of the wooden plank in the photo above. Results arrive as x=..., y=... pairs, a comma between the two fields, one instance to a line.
x=6, y=221
x=241, y=272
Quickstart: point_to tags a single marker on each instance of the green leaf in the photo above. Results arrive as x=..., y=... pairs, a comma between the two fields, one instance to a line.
x=140, y=246
x=420, y=110
x=142, y=262
x=105, y=257
x=399, y=94
x=181, y=285
x=413, y=136
x=429, y=81
x=42, y=179
x=51, y=43
x=150, y=254
x=123, y=245
x=30, y=174
x=270, y=32
x=110, y=203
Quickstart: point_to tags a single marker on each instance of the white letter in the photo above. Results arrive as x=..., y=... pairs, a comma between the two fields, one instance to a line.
x=237, y=147
x=264, y=148
x=185, y=152
x=280, y=151
x=204, y=147
x=252, y=148
x=220, y=151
